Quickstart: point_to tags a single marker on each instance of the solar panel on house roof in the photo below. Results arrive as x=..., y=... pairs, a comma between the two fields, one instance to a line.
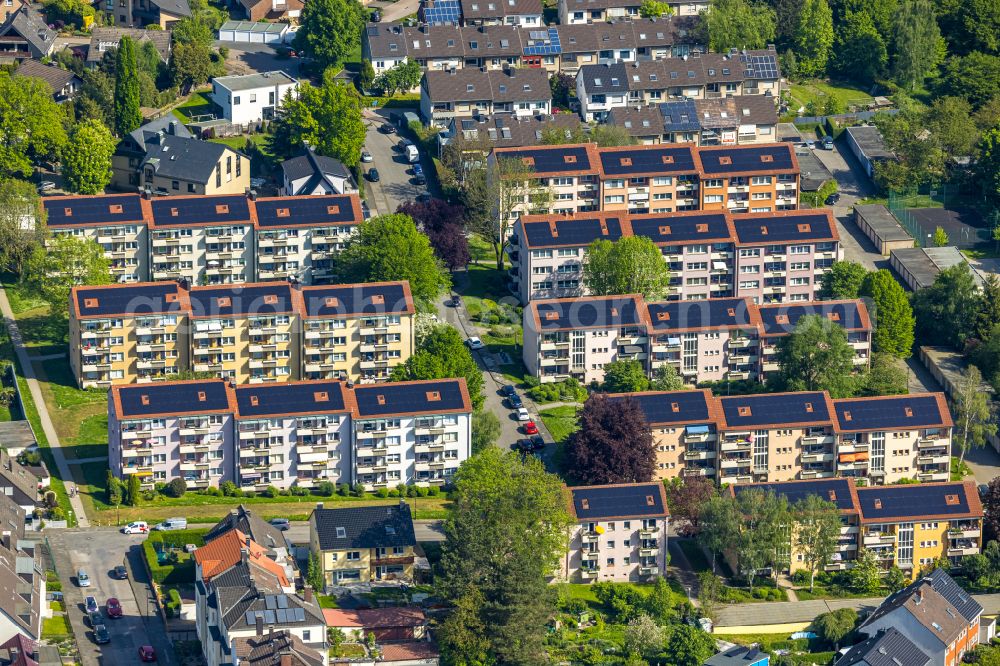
x=641, y=499
x=107, y=209
x=553, y=159
x=201, y=210
x=891, y=412
x=679, y=116
x=708, y=313
x=775, y=157
x=781, y=318
x=571, y=232
x=681, y=229
x=131, y=300
x=837, y=491
x=761, y=66
x=648, y=160
x=913, y=500
x=443, y=12
x=139, y=400
x=343, y=300
x=674, y=407
x=802, y=226
x=775, y=409
x=426, y=397
x=543, y=42
x=332, y=209
x=290, y=398
x=262, y=299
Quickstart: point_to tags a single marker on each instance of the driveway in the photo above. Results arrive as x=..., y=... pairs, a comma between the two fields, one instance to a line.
x=396, y=10
x=252, y=58
x=97, y=551
x=395, y=175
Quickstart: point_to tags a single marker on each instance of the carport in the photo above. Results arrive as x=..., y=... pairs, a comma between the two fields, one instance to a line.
x=251, y=32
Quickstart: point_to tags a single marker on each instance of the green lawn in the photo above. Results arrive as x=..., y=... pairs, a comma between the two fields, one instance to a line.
x=55, y=628
x=20, y=298
x=817, y=91
x=199, y=103
x=560, y=421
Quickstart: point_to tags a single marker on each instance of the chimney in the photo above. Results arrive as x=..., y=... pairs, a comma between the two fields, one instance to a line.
x=244, y=555
x=286, y=660
x=248, y=542
x=319, y=505
x=307, y=594
x=258, y=625
x=172, y=127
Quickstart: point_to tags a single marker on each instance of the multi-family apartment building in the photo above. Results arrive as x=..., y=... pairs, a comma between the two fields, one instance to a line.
x=709, y=254
x=128, y=333
x=777, y=437
x=621, y=82
x=654, y=178
x=258, y=332
x=620, y=533
x=739, y=120
x=116, y=222
x=218, y=239
x=704, y=340
x=911, y=526
x=599, y=11
x=363, y=544
x=461, y=93
x=23, y=604
x=291, y=434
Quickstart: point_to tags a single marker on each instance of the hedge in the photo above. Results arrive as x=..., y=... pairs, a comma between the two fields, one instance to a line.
x=181, y=572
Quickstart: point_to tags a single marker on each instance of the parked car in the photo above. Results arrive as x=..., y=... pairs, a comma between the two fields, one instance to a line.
x=101, y=634
x=523, y=415
x=171, y=524
x=420, y=180
x=114, y=608
x=412, y=154
x=514, y=401
x=833, y=199
x=530, y=428
x=523, y=445
x=418, y=170
x=82, y=579
x=508, y=390
x=373, y=175
x=828, y=142
x=147, y=653
x=120, y=572
x=537, y=443
x=366, y=156
x=95, y=619
x=46, y=185
x=376, y=16
x=90, y=604
x=387, y=128
x=138, y=527
x=281, y=523
x=455, y=301
x=474, y=343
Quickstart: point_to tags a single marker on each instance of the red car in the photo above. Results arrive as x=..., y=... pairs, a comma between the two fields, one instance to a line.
x=530, y=428
x=114, y=608
x=147, y=653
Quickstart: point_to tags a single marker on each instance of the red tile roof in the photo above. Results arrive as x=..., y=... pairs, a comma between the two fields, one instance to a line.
x=227, y=551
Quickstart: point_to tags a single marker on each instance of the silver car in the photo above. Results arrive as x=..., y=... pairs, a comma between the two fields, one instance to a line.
x=82, y=579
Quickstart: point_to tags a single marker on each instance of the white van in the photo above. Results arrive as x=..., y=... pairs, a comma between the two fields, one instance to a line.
x=412, y=154
x=137, y=527
x=172, y=524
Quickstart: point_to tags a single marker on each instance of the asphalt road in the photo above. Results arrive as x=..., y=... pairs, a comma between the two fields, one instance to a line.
x=97, y=551
x=395, y=175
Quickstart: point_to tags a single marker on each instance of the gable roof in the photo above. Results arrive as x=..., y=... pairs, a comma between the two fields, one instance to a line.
x=480, y=9
x=781, y=318
x=433, y=396
x=29, y=24
x=668, y=407
x=292, y=398
x=163, y=399
x=56, y=77
x=18, y=476
x=315, y=167
x=243, y=300
x=923, y=501
x=228, y=549
x=840, y=491
x=567, y=314
x=19, y=650
x=276, y=648
x=699, y=315
x=924, y=601
x=617, y=501
x=184, y=157
x=739, y=655
x=893, y=412
x=886, y=648
x=364, y=527
x=103, y=37
x=776, y=409
x=249, y=523
x=472, y=85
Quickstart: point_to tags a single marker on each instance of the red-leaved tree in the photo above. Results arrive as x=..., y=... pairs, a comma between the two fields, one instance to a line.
x=613, y=445
x=442, y=222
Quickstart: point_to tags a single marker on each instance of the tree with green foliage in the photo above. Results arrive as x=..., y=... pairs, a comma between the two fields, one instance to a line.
x=624, y=376
x=629, y=265
x=607, y=136
x=865, y=577
x=31, y=124
x=894, y=321
x=190, y=64
x=330, y=31
x=314, y=573
x=389, y=247
x=816, y=356
x=952, y=126
x=67, y=261
x=133, y=490
x=485, y=429
x=128, y=117
x=762, y=533
x=987, y=314
x=987, y=168
x=655, y=9
x=367, y=78
x=738, y=24
x=613, y=443
x=719, y=525
x=895, y=579
x=87, y=157
x=22, y=224
x=940, y=238
x=816, y=532
x=689, y=646
x=917, y=43
x=441, y=354
x=504, y=536
x=946, y=311
x=401, y=78
x=843, y=280
x=860, y=51
x=974, y=77
x=973, y=413
x=884, y=377
x=113, y=489
x=666, y=378
x=836, y=625
x=74, y=13
x=814, y=37
x=643, y=636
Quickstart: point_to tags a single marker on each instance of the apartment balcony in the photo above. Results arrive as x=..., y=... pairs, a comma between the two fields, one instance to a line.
x=965, y=533
x=730, y=463
x=738, y=375
x=698, y=437
x=368, y=365
x=941, y=475
x=649, y=533
x=737, y=445
x=589, y=574
x=933, y=442
x=194, y=465
x=813, y=440
x=589, y=537
x=963, y=550
x=770, y=367
x=818, y=456
x=207, y=335
x=313, y=456
x=736, y=478
x=934, y=459
x=815, y=474
x=649, y=552
x=698, y=471
x=551, y=346
x=699, y=454
x=199, y=447
x=207, y=367
x=878, y=538
x=148, y=364
x=373, y=330
x=857, y=447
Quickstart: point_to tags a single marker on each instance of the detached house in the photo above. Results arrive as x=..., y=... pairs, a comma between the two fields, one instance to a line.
x=462, y=93
x=252, y=98
x=63, y=83
x=24, y=35
x=104, y=39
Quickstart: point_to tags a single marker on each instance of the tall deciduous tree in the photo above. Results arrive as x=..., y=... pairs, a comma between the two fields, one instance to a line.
x=763, y=537
x=973, y=413
x=916, y=41
x=860, y=50
x=613, y=444
x=738, y=24
x=389, y=247
x=974, y=77
x=814, y=37
x=946, y=311
x=87, y=157
x=509, y=183
x=485, y=429
x=665, y=378
x=865, y=576
x=689, y=646
x=988, y=313
x=817, y=357
x=127, y=114
x=401, y=78
x=441, y=354
x=31, y=124
x=894, y=321
x=67, y=261
x=836, y=625
x=442, y=222
x=504, y=536
x=843, y=280
x=330, y=31
x=884, y=377
x=654, y=9
x=991, y=509
x=21, y=224
x=987, y=167
x=686, y=497
x=629, y=265
x=816, y=530
x=625, y=376
x=719, y=523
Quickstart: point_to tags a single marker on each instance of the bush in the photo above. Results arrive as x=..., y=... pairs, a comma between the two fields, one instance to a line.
x=343, y=490
x=173, y=604
x=325, y=488
x=230, y=489
x=56, y=513
x=270, y=491
x=382, y=492
x=176, y=488
x=358, y=490
x=213, y=491
x=299, y=491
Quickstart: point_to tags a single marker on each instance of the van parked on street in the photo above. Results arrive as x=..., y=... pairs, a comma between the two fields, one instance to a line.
x=172, y=524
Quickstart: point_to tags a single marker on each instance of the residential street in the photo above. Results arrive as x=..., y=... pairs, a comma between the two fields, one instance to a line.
x=395, y=175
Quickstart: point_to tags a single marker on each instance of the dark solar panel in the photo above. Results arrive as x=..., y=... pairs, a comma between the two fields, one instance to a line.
x=139, y=299
x=837, y=491
x=569, y=232
x=708, y=313
x=587, y=313
x=343, y=300
x=807, y=226
x=680, y=116
x=221, y=209
x=442, y=12
x=543, y=42
x=647, y=160
x=913, y=501
x=396, y=399
x=641, y=499
x=782, y=318
x=749, y=159
x=760, y=66
x=195, y=397
x=333, y=209
x=775, y=409
x=290, y=398
x=262, y=299
x=554, y=159
x=102, y=209
x=674, y=407
x=903, y=411
x=682, y=228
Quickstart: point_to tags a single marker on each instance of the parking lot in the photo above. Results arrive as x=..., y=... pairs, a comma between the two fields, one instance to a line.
x=395, y=174
x=98, y=551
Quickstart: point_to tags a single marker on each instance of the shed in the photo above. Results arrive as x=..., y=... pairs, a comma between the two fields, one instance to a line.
x=882, y=228
x=251, y=32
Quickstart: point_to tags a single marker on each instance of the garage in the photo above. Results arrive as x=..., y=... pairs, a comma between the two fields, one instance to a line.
x=251, y=32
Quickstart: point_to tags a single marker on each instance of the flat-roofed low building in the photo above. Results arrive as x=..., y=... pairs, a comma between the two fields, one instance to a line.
x=779, y=320
x=683, y=425
x=620, y=533
x=882, y=228
x=410, y=432
x=919, y=266
x=168, y=430
x=866, y=142
x=128, y=333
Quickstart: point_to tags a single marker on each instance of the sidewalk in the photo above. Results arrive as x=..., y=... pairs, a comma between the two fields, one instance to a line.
x=43, y=413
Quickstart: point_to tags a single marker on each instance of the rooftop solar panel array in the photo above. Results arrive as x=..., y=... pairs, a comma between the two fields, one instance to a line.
x=138, y=400
x=396, y=399
x=320, y=210
x=889, y=413
x=543, y=42
x=442, y=12
x=708, y=313
x=837, y=491
x=173, y=211
x=648, y=160
x=571, y=232
x=680, y=116
x=85, y=210
x=148, y=298
x=760, y=66
x=260, y=299
x=587, y=313
x=682, y=228
x=749, y=159
x=776, y=408
x=782, y=318
x=344, y=300
x=801, y=227
x=290, y=398
x=893, y=502
x=673, y=407
x=640, y=499
x=554, y=159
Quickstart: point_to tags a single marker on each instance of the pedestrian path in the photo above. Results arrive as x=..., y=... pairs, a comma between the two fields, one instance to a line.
x=43, y=413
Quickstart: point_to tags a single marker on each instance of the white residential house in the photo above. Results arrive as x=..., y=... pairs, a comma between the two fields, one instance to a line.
x=251, y=98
